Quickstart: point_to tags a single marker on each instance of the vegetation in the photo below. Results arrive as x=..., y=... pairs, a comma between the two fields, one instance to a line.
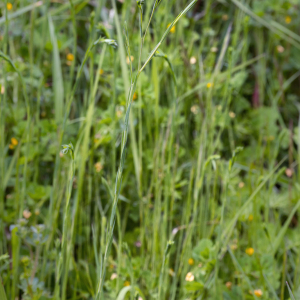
x=149, y=149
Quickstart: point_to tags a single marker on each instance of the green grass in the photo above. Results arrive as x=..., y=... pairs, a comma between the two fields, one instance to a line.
x=181, y=177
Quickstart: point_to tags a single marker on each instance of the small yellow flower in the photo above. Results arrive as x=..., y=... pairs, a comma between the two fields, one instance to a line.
x=195, y=109
x=134, y=96
x=9, y=6
x=228, y=285
x=289, y=172
x=191, y=261
x=193, y=60
x=172, y=29
x=225, y=17
x=288, y=19
x=233, y=246
x=250, y=218
x=209, y=85
x=129, y=59
x=98, y=166
x=231, y=114
x=14, y=141
x=119, y=111
x=249, y=251
x=11, y=146
x=101, y=72
x=27, y=214
x=280, y=49
x=258, y=293
x=127, y=283
x=70, y=57
x=189, y=276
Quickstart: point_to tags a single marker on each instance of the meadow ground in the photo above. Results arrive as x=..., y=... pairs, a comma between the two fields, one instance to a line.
x=149, y=149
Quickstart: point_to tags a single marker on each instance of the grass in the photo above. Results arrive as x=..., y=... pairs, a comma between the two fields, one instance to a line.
x=182, y=181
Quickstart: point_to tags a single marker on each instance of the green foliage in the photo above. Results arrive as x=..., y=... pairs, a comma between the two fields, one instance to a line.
x=149, y=150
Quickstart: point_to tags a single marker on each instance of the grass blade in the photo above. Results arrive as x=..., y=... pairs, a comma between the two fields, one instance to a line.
x=57, y=77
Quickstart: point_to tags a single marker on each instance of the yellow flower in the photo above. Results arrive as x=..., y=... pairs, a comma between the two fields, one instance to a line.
x=289, y=172
x=27, y=214
x=9, y=6
x=191, y=261
x=250, y=218
x=193, y=60
x=228, y=285
x=129, y=59
x=288, y=19
x=119, y=111
x=11, y=146
x=14, y=141
x=98, y=166
x=101, y=72
x=70, y=57
x=189, y=276
x=280, y=49
x=258, y=293
x=127, y=283
x=209, y=85
x=225, y=17
x=249, y=251
x=195, y=109
x=233, y=246
x=231, y=114
x=134, y=96
x=172, y=29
